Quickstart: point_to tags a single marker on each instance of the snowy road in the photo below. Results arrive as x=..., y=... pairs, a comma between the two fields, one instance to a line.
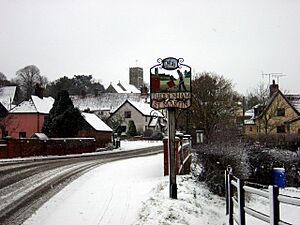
x=110, y=194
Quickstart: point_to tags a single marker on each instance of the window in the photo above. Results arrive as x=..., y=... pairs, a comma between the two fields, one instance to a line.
x=146, y=118
x=281, y=129
x=127, y=114
x=22, y=134
x=280, y=112
x=250, y=129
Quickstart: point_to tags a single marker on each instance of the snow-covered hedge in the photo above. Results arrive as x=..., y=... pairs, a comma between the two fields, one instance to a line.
x=213, y=159
x=250, y=162
x=282, y=141
x=263, y=160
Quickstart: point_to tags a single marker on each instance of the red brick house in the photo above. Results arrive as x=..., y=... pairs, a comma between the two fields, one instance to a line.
x=26, y=118
x=96, y=128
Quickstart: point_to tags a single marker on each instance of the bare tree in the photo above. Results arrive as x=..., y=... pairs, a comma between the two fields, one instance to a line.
x=2, y=76
x=258, y=95
x=3, y=80
x=28, y=77
x=213, y=102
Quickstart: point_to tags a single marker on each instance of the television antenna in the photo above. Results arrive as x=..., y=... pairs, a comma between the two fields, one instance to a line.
x=276, y=75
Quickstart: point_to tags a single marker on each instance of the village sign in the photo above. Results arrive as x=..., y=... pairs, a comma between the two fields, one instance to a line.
x=170, y=84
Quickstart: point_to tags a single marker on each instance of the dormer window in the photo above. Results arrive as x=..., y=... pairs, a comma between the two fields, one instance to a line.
x=280, y=112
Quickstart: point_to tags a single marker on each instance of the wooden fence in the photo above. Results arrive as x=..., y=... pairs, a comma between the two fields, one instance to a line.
x=237, y=210
x=183, y=155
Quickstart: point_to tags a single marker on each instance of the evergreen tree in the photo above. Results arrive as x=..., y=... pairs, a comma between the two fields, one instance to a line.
x=131, y=128
x=64, y=120
x=78, y=85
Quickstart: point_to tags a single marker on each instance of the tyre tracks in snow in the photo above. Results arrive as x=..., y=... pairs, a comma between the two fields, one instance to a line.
x=26, y=185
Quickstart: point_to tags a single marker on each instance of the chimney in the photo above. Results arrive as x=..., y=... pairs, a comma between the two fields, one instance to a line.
x=39, y=91
x=273, y=88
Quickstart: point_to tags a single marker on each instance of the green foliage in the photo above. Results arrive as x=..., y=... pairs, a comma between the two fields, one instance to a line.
x=64, y=120
x=131, y=128
x=78, y=85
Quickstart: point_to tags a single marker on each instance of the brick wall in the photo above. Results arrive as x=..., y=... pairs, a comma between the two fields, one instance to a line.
x=34, y=147
x=103, y=138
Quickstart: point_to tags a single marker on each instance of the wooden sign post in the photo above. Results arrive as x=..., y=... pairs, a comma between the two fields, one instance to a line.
x=170, y=88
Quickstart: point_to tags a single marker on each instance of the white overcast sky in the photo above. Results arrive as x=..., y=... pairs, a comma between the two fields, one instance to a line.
x=235, y=38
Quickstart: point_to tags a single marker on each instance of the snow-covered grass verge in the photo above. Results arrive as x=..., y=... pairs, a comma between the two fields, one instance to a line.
x=195, y=205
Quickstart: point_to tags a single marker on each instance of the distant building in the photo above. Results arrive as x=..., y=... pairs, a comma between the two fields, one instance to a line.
x=122, y=88
x=280, y=114
x=26, y=118
x=144, y=117
x=105, y=103
x=96, y=128
x=136, y=77
x=8, y=96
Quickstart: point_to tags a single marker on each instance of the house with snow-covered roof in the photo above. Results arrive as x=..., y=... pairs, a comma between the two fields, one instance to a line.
x=121, y=88
x=280, y=115
x=144, y=117
x=26, y=118
x=8, y=99
x=7, y=96
x=96, y=128
x=104, y=103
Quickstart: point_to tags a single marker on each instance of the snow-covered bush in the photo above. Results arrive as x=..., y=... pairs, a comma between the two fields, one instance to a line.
x=282, y=141
x=263, y=160
x=249, y=162
x=214, y=158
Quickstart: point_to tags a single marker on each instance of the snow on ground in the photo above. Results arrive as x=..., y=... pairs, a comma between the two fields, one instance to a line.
x=131, y=191
x=288, y=213
x=109, y=194
x=131, y=145
x=134, y=191
x=195, y=205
